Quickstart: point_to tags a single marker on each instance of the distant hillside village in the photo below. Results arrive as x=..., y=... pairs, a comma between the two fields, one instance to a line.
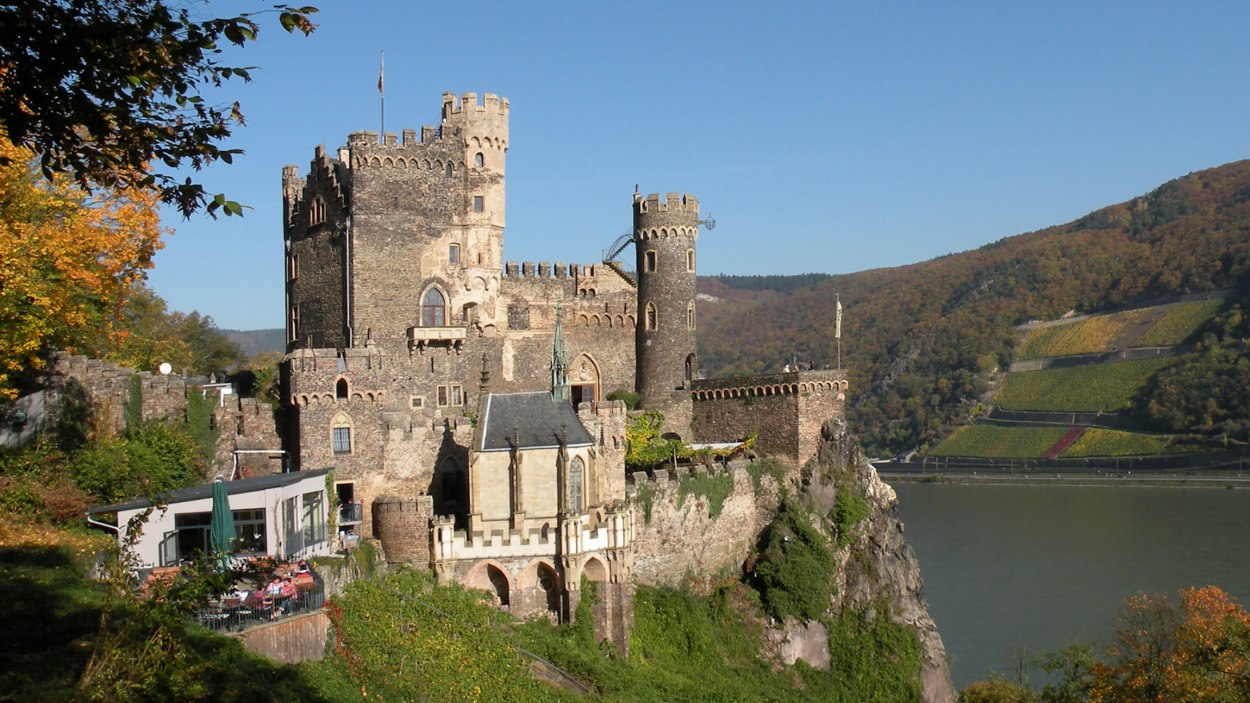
x=459, y=402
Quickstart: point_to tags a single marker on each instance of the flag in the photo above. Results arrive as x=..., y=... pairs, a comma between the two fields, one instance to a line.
x=381, y=68
x=837, y=323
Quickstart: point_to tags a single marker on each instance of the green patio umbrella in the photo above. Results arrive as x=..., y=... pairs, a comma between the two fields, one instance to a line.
x=221, y=535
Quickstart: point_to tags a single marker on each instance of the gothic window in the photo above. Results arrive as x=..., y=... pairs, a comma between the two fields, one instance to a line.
x=479, y=203
x=651, y=321
x=648, y=262
x=449, y=170
x=340, y=388
x=453, y=253
x=479, y=160
x=433, y=309
x=690, y=260
x=341, y=434
x=295, y=322
x=316, y=212
x=575, y=484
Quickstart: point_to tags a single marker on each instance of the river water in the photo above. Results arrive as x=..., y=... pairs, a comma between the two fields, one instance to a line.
x=1010, y=568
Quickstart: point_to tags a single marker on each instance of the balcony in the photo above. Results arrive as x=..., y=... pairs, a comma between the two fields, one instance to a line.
x=351, y=514
x=421, y=337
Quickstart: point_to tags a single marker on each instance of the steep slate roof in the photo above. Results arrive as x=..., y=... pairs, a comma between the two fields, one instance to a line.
x=244, y=485
x=535, y=419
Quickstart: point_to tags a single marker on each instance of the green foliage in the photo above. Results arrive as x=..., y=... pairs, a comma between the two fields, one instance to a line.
x=795, y=570
x=126, y=118
x=630, y=397
x=1204, y=392
x=850, y=508
x=154, y=458
x=999, y=442
x=1105, y=387
x=769, y=466
x=1092, y=335
x=133, y=407
x=1180, y=323
x=780, y=284
x=872, y=658
x=645, y=496
x=200, y=427
x=404, y=638
x=714, y=487
x=644, y=447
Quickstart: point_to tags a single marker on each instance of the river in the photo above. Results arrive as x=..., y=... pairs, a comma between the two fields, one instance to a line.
x=1010, y=568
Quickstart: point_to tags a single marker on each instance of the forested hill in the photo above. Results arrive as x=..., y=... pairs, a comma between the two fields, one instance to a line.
x=921, y=341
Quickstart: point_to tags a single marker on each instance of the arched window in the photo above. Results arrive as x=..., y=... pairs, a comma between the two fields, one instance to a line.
x=575, y=484
x=433, y=309
x=341, y=434
x=651, y=321
x=690, y=316
x=340, y=388
x=479, y=160
x=316, y=211
x=449, y=170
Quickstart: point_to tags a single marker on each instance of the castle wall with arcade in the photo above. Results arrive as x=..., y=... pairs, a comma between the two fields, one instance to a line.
x=785, y=410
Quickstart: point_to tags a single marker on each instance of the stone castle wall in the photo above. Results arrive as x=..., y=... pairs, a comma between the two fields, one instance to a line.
x=682, y=542
x=785, y=410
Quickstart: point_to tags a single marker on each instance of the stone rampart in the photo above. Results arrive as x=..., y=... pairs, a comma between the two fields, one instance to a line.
x=676, y=537
x=784, y=410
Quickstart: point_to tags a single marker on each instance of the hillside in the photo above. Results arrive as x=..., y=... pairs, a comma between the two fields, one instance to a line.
x=922, y=341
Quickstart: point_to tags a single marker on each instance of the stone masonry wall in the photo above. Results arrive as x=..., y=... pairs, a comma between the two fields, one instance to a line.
x=682, y=541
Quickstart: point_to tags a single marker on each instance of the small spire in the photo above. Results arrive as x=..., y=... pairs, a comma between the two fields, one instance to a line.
x=559, y=360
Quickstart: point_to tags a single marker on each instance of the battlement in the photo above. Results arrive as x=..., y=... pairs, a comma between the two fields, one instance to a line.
x=672, y=202
x=673, y=475
x=829, y=381
x=492, y=105
x=545, y=269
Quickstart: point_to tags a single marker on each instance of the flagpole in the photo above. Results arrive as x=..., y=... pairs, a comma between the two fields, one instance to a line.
x=382, y=99
x=837, y=329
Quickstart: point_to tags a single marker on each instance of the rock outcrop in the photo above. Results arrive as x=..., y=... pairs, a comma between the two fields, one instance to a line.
x=877, y=563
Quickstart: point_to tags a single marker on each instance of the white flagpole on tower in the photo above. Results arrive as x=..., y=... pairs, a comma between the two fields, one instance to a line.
x=837, y=327
x=382, y=98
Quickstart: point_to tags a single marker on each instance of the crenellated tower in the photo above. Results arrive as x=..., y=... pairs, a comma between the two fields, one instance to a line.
x=664, y=241
x=401, y=232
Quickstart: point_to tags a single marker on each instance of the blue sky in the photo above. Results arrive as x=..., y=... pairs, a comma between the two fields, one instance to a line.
x=824, y=137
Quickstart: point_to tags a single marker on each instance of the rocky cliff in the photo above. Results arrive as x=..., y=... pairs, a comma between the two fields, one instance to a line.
x=878, y=563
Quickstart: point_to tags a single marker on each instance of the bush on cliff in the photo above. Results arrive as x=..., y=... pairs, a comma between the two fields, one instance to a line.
x=794, y=573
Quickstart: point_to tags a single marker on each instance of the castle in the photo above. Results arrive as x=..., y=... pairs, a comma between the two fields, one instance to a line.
x=460, y=399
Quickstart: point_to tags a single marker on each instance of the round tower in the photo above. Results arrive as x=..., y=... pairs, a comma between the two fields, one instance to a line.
x=664, y=241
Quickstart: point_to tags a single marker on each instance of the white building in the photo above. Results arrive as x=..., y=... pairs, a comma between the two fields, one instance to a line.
x=284, y=516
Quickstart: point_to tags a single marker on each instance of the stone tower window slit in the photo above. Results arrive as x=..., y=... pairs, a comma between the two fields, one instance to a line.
x=479, y=160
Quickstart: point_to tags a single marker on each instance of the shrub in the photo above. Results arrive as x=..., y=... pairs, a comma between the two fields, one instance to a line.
x=850, y=508
x=795, y=570
x=630, y=397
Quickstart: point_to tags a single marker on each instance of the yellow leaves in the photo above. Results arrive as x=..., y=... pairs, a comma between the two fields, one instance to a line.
x=66, y=258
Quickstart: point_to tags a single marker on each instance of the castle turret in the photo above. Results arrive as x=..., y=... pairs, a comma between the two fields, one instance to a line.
x=664, y=240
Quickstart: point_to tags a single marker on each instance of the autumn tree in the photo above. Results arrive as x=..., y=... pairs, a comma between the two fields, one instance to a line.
x=146, y=334
x=66, y=259
x=1198, y=650
x=99, y=89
